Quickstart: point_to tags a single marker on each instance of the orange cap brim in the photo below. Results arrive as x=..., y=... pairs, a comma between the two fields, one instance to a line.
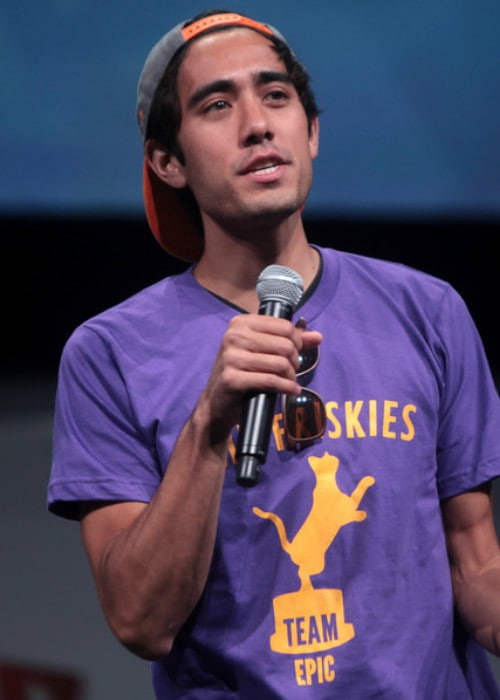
x=171, y=222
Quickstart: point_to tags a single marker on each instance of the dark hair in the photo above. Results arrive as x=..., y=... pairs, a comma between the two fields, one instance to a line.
x=165, y=115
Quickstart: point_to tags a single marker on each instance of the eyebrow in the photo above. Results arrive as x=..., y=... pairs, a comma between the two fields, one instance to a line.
x=226, y=85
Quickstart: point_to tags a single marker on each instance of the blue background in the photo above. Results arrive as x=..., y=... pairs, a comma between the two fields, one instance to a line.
x=410, y=93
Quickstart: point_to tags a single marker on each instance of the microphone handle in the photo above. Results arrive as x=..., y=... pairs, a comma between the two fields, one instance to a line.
x=257, y=418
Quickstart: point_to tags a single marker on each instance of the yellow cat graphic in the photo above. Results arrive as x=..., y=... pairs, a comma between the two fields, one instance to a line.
x=331, y=509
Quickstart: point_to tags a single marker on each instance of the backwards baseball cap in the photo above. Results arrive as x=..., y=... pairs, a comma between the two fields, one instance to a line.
x=173, y=217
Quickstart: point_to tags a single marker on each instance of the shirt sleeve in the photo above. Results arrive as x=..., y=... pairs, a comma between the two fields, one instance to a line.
x=100, y=450
x=468, y=451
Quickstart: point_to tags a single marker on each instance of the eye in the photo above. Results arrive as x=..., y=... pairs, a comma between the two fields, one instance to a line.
x=216, y=106
x=277, y=95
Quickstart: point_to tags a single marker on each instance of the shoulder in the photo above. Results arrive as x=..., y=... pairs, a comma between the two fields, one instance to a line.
x=391, y=272
x=138, y=322
x=392, y=282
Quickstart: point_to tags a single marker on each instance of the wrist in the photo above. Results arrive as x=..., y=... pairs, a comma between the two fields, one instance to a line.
x=212, y=432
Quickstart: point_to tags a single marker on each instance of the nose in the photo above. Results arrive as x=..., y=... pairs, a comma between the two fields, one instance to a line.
x=255, y=123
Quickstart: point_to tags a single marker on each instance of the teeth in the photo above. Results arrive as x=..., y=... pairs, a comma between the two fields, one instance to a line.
x=267, y=169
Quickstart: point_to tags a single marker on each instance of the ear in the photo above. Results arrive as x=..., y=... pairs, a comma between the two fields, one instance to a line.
x=314, y=137
x=165, y=166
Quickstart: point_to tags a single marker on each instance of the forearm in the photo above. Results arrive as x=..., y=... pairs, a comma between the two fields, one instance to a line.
x=475, y=563
x=477, y=596
x=152, y=573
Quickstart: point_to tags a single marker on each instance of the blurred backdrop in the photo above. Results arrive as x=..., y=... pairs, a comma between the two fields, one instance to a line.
x=409, y=170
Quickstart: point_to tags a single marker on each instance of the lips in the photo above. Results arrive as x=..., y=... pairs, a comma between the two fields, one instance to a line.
x=272, y=167
x=263, y=165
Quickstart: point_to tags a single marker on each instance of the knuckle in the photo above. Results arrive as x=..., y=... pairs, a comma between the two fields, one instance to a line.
x=283, y=366
x=227, y=377
x=230, y=337
x=289, y=351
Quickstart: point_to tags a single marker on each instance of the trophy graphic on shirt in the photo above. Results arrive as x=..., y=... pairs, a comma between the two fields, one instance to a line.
x=312, y=620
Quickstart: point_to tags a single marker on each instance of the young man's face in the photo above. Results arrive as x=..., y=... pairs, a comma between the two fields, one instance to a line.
x=244, y=132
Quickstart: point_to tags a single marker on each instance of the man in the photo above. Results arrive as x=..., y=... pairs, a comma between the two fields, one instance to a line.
x=330, y=578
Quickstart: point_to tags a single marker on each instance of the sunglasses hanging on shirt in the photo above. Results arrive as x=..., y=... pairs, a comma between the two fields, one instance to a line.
x=304, y=416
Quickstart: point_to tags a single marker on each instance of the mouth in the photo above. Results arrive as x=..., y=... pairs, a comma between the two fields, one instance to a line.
x=265, y=169
x=264, y=165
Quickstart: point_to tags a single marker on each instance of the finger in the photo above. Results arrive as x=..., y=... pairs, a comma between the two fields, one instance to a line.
x=242, y=381
x=310, y=339
x=263, y=324
x=261, y=363
x=265, y=338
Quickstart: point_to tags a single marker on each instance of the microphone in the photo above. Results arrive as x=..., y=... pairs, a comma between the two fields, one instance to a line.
x=279, y=290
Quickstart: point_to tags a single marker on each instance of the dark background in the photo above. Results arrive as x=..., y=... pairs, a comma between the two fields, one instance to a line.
x=58, y=271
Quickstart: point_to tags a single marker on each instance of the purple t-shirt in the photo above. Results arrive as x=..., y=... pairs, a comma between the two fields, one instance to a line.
x=330, y=579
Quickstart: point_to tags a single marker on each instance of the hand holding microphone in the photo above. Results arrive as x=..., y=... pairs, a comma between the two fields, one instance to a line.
x=279, y=290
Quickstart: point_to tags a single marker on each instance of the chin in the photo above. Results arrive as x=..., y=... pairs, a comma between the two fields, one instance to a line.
x=268, y=210
x=278, y=208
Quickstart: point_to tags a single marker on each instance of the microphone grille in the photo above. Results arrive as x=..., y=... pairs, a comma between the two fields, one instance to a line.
x=280, y=283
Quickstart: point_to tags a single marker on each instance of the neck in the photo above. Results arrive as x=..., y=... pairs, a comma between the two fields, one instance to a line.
x=231, y=264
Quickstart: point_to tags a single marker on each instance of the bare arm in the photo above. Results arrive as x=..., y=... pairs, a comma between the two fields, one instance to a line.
x=151, y=561
x=475, y=564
